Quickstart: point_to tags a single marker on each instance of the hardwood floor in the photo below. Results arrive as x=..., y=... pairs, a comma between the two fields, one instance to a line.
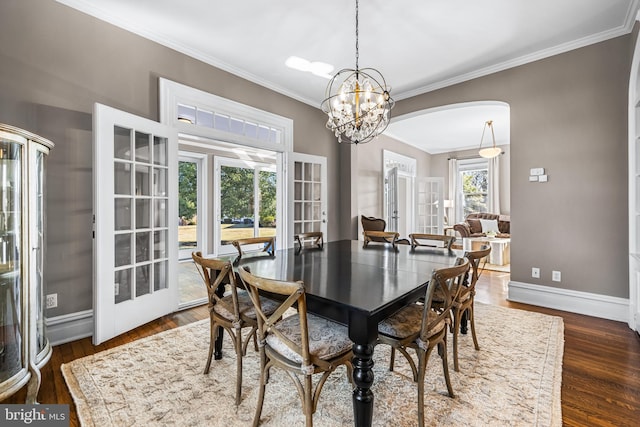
x=600, y=372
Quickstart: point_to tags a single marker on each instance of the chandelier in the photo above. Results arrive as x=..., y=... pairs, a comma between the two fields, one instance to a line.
x=489, y=152
x=357, y=102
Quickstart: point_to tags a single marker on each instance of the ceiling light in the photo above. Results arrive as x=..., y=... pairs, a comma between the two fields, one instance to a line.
x=357, y=102
x=489, y=152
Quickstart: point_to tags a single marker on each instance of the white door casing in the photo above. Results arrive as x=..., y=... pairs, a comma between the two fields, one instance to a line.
x=135, y=215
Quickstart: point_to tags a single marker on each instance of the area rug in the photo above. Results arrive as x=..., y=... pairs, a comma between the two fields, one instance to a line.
x=513, y=380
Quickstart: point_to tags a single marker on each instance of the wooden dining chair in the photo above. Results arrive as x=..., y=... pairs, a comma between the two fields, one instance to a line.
x=301, y=344
x=423, y=327
x=463, y=303
x=315, y=237
x=232, y=312
x=430, y=240
x=268, y=242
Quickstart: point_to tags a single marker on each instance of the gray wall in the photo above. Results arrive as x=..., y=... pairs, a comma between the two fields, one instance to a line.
x=55, y=63
x=569, y=116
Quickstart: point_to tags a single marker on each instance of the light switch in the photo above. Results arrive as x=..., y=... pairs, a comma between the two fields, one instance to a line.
x=533, y=178
x=543, y=178
x=537, y=171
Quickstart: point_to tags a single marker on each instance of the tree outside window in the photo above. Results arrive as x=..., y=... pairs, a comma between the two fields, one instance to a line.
x=475, y=189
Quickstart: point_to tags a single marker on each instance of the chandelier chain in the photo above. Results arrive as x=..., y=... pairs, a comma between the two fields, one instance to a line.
x=357, y=47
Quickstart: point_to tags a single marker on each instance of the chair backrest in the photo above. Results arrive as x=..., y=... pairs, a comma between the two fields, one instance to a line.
x=216, y=273
x=295, y=295
x=429, y=240
x=315, y=236
x=476, y=258
x=370, y=223
x=269, y=245
x=447, y=282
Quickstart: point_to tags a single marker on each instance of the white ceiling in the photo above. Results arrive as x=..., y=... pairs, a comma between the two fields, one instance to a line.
x=417, y=45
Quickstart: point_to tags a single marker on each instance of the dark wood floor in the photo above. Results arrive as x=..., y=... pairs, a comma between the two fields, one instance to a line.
x=600, y=372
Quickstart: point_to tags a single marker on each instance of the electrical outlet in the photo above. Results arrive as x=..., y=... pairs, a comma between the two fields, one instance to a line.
x=52, y=300
x=535, y=272
x=556, y=276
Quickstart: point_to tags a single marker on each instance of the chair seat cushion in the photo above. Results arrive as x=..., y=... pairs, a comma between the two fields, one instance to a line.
x=327, y=339
x=407, y=322
x=245, y=306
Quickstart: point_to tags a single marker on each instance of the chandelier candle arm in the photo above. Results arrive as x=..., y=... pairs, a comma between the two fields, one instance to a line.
x=357, y=102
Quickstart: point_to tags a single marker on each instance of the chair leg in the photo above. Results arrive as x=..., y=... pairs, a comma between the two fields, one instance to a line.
x=213, y=335
x=473, y=327
x=263, y=382
x=392, y=359
x=456, y=327
x=238, y=341
x=423, y=357
x=308, y=401
x=442, y=350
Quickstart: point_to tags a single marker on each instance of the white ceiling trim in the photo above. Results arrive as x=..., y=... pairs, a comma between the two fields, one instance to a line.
x=542, y=54
x=632, y=14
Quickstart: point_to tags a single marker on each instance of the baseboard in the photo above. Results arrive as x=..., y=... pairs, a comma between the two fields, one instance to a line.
x=69, y=327
x=606, y=307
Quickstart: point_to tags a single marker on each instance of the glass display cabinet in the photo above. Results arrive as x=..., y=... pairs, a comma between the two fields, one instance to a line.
x=24, y=347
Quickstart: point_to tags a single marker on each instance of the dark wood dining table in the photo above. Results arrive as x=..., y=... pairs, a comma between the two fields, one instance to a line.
x=357, y=287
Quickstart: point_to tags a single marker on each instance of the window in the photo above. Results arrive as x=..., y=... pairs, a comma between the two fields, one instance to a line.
x=474, y=184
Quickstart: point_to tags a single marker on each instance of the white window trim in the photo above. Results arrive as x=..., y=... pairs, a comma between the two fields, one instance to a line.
x=172, y=94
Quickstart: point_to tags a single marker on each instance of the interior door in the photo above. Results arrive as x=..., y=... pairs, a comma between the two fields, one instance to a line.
x=308, y=191
x=135, y=215
x=391, y=197
x=430, y=205
x=245, y=201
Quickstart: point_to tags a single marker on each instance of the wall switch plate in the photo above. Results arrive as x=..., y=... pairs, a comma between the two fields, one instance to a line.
x=537, y=171
x=533, y=178
x=535, y=272
x=543, y=178
x=52, y=301
x=556, y=276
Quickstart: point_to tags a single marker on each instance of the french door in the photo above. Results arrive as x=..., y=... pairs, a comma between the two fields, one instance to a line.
x=191, y=215
x=135, y=212
x=430, y=205
x=245, y=201
x=308, y=191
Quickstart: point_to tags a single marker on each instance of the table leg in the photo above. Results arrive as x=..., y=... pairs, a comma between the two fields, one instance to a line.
x=463, y=321
x=363, y=380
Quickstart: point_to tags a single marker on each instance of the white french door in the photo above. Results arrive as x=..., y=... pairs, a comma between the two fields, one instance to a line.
x=429, y=205
x=245, y=201
x=135, y=215
x=391, y=197
x=308, y=191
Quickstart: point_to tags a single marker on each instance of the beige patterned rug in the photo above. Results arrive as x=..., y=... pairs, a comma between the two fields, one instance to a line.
x=157, y=381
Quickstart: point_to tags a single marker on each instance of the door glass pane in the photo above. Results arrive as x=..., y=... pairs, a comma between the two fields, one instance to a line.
x=122, y=178
x=143, y=280
x=160, y=212
x=142, y=181
x=122, y=214
x=143, y=213
x=143, y=243
x=160, y=150
x=122, y=285
x=236, y=202
x=121, y=143
x=160, y=275
x=123, y=249
x=143, y=149
x=267, y=208
x=187, y=206
x=159, y=182
x=160, y=242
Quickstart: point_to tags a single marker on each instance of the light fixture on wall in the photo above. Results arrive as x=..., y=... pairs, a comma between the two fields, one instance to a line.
x=489, y=152
x=357, y=102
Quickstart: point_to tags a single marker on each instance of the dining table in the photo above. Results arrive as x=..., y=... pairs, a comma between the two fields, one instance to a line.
x=358, y=287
